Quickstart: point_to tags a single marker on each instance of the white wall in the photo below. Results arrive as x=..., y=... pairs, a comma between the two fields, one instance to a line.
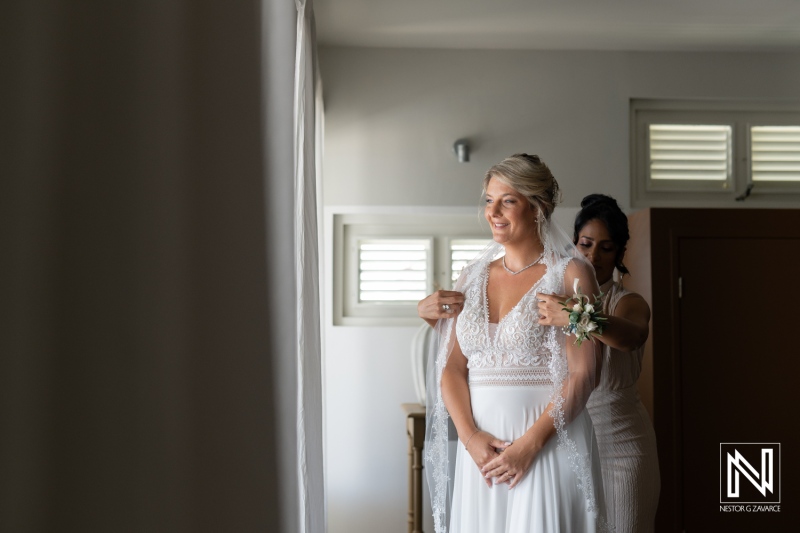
x=391, y=119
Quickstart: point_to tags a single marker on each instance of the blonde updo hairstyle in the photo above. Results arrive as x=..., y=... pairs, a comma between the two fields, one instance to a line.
x=529, y=176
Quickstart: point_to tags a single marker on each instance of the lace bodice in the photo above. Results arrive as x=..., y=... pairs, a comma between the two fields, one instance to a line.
x=519, y=340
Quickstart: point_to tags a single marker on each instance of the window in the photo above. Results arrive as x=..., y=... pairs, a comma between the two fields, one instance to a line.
x=462, y=251
x=775, y=154
x=689, y=153
x=385, y=264
x=714, y=154
x=394, y=270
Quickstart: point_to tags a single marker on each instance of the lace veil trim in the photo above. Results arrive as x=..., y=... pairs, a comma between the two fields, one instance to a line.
x=558, y=252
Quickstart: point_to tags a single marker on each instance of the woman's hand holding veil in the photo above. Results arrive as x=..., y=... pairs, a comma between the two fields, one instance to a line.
x=440, y=304
x=551, y=311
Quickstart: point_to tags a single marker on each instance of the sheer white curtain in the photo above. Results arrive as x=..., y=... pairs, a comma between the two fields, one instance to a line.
x=307, y=147
x=151, y=333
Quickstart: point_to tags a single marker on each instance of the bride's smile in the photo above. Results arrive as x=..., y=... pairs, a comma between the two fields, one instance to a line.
x=510, y=215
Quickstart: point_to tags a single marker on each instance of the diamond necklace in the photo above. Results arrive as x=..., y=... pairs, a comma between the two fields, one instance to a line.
x=523, y=268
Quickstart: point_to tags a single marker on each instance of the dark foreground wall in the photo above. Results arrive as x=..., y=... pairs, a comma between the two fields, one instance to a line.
x=146, y=329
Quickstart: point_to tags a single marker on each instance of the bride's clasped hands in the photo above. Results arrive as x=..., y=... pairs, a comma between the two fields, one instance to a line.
x=511, y=465
x=484, y=449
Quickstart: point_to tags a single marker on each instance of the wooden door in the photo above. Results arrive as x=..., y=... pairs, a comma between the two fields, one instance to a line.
x=738, y=367
x=725, y=352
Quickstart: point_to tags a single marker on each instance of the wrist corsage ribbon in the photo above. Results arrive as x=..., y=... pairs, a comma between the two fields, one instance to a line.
x=584, y=317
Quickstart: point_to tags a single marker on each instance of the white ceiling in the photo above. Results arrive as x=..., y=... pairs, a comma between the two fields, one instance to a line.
x=712, y=25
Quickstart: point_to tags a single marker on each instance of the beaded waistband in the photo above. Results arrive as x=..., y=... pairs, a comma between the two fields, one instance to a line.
x=510, y=377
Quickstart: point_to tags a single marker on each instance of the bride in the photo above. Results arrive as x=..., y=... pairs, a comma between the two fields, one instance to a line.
x=515, y=390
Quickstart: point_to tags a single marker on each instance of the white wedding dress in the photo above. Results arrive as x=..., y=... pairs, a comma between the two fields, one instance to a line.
x=625, y=435
x=510, y=386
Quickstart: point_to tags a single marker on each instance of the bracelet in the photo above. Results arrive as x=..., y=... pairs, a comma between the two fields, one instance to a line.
x=470, y=438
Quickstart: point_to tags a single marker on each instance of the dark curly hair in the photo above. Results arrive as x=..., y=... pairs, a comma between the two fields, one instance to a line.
x=605, y=209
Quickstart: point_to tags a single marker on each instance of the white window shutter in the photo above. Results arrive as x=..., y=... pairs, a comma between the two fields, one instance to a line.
x=775, y=153
x=462, y=251
x=393, y=270
x=687, y=152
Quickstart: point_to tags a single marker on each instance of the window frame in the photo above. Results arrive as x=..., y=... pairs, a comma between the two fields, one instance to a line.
x=740, y=115
x=349, y=228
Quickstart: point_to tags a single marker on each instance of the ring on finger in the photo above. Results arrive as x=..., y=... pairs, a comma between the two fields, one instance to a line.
x=445, y=308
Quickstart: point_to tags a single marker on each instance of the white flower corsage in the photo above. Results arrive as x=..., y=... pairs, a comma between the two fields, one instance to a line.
x=584, y=317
